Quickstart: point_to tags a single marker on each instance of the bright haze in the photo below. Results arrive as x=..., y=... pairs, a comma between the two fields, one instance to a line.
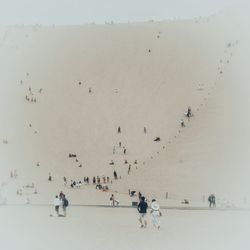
x=68, y=12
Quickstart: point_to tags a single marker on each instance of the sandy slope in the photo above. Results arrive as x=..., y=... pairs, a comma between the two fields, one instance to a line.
x=132, y=87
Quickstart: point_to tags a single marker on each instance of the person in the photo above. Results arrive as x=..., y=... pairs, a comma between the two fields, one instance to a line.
x=124, y=151
x=156, y=213
x=129, y=168
x=115, y=175
x=145, y=130
x=182, y=124
x=119, y=129
x=65, y=204
x=189, y=112
x=50, y=177
x=211, y=200
x=57, y=204
x=120, y=144
x=142, y=209
x=113, y=201
x=111, y=162
x=65, y=181
x=157, y=139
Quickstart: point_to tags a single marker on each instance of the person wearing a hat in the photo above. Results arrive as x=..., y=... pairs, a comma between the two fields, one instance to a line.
x=156, y=213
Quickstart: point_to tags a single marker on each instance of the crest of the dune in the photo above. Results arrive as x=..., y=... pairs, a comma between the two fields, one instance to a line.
x=66, y=90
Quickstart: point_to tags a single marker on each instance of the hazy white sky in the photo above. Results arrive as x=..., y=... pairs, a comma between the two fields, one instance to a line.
x=99, y=11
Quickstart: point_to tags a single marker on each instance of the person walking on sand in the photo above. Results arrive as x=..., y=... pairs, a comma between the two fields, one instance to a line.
x=156, y=213
x=57, y=204
x=115, y=175
x=145, y=130
x=65, y=204
x=142, y=209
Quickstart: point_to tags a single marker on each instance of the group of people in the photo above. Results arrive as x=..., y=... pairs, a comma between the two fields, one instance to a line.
x=61, y=201
x=155, y=212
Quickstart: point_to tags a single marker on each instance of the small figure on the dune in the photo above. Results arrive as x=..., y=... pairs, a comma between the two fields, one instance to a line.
x=189, y=112
x=65, y=181
x=80, y=83
x=50, y=177
x=111, y=162
x=94, y=180
x=90, y=90
x=124, y=151
x=108, y=179
x=104, y=179
x=139, y=195
x=115, y=175
x=29, y=89
x=120, y=144
x=40, y=90
x=145, y=130
x=131, y=193
x=129, y=169
x=149, y=50
x=77, y=160
x=125, y=162
x=135, y=162
x=113, y=201
x=98, y=179
x=182, y=124
x=119, y=129
x=157, y=139
x=80, y=166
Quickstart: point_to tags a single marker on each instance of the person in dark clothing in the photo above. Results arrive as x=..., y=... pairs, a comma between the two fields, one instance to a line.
x=142, y=209
x=211, y=200
x=65, y=204
x=119, y=129
x=115, y=175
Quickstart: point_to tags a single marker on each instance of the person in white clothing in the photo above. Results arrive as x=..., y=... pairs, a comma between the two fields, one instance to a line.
x=57, y=203
x=156, y=213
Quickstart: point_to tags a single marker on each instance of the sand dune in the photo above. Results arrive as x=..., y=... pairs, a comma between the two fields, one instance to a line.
x=140, y=75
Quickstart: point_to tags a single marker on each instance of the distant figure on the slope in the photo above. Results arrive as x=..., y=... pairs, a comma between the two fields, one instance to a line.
x=65, y=181
x=57, y=204
x=113, y=201
x=120, y=144
x=131, y=193
x=50, y=177
x=90, y=90
x=125, y=162
x=80, y=83
x=124, y=151
x=38, y=164
x=119, y=129
x=40, y=90
x=157, y=139
x=149, y=50
x=107, y=179
x=142, y=209
x=129, y=169
x=111, y=162
x=115, y=175
x=156, y=213
x=135, y=162
x=94, y=180
x=189, y=112
x=145, y=130
x=211, y=200
x=65, y=204
x=182, y=124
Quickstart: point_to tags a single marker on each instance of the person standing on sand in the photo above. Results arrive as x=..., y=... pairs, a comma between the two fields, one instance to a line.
x=119, y=130
x=57, y=204
x=142, y=209
x=115, y=175
x=129, y=169
x=65, y=204
x=156, y=213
